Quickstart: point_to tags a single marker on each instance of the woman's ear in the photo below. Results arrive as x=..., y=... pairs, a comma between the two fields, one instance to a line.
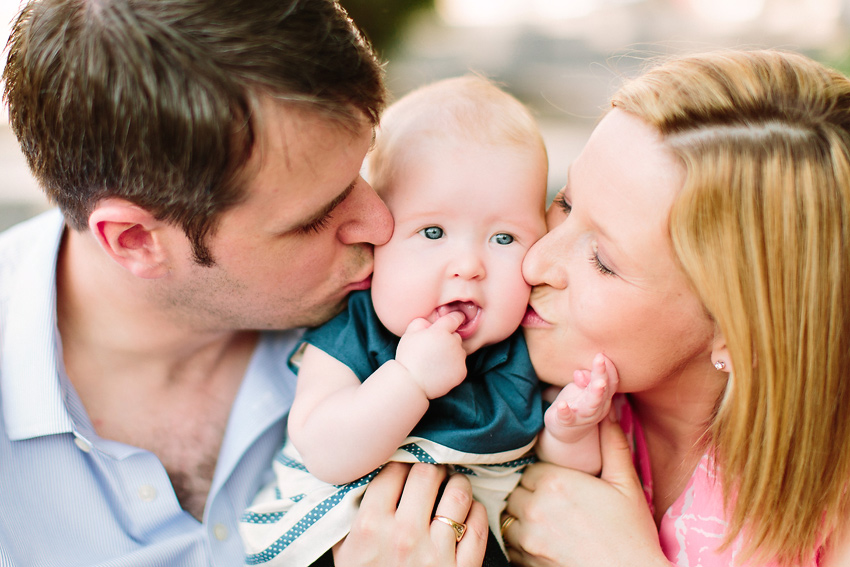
x=131, y=236
x=719, y=353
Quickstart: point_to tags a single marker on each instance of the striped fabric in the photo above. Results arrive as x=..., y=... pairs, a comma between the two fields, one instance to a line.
x=295, y=519
x=70, y=498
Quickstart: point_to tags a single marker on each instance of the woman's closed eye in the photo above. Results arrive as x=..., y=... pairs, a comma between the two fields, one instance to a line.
x=561, y=202
x=598, y=264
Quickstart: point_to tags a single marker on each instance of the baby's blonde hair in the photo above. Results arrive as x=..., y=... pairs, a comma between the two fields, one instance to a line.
x=762, y=229
x=467, y=109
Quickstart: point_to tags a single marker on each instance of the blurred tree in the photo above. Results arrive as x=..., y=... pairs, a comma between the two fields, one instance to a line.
x=383, y=20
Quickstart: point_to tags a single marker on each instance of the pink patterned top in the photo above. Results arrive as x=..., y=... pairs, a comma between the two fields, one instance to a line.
x=694, y=526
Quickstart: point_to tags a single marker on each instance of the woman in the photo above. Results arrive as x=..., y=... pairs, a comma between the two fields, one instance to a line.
x=702, y=243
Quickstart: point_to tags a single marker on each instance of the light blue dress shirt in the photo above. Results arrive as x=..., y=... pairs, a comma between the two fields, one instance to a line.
x=69, y=497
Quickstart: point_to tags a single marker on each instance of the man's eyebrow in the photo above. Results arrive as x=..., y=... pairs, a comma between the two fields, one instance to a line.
x=328, y=209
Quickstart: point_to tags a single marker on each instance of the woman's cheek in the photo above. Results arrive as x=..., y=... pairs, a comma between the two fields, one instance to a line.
x=547, y=356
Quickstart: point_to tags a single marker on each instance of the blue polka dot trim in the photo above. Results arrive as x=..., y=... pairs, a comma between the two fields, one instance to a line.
x=421, y=455
x=306, y=522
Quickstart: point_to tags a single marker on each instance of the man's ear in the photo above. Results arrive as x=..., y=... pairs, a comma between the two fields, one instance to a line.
x=719, y=353
x=131, y=236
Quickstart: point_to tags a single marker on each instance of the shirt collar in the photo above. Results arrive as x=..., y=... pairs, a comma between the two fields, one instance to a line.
x=263, y=401
x=31, y=361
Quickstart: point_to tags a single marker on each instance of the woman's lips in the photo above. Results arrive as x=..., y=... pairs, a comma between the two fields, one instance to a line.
x=532, y=319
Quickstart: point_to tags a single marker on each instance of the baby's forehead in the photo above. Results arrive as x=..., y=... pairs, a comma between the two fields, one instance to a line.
x=431, y=165
x=428, y=146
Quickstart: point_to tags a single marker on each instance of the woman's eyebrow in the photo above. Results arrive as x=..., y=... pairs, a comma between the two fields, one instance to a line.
x=597, y=224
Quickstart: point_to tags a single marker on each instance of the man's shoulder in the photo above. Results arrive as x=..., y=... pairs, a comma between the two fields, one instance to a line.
x=15, y=242
x=36, y=236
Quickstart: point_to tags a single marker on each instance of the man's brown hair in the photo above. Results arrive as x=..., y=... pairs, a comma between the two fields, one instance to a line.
x=152, y=100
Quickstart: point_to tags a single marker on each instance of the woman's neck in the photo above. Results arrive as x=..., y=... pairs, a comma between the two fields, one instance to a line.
x=675, y=421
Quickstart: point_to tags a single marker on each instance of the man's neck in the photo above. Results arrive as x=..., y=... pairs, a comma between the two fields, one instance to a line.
x=106, y=311
x=145, y=379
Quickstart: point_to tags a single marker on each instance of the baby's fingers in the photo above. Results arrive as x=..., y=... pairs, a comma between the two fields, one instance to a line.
x=592, y=399
x=559, y=415
x=581, y=378
x=598, y=370
x=603, y=370
x=449, y=322
x=417, y=325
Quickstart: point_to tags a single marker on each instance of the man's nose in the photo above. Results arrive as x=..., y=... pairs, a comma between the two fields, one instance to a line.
x=370, y=222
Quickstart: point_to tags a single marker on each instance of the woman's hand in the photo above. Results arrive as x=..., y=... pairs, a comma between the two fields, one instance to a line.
x=568, y=518
x=395, y=527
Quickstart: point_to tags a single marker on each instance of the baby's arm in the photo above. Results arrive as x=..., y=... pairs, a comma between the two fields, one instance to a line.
x=343, y=428
x=570, y=437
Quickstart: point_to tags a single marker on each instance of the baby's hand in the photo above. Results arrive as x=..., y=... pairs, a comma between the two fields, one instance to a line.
x=585, y=401
x=433, y=354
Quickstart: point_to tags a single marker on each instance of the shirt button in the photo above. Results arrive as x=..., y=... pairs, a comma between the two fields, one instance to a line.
x=220, y=532
x=147, y=493
x=82, y=444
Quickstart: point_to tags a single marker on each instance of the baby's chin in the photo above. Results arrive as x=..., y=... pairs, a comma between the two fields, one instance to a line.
x=483, y=338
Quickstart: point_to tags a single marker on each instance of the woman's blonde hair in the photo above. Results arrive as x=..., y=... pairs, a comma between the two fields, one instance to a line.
x=762, y=229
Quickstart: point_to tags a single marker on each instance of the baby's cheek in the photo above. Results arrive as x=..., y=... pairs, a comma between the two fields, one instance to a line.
x=516, y=300
x=508, y=311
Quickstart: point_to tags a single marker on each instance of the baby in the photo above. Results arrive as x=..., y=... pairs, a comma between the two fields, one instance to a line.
x=428, y=365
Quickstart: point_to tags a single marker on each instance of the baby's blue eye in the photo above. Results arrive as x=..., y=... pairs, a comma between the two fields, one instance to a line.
x=432, y=232
x=502, y=238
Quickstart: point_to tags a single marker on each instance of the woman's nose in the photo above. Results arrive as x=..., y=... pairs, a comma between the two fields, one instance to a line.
x=542, y=265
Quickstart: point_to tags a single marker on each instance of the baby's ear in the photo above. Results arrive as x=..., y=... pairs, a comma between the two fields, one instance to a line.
x=131, y=236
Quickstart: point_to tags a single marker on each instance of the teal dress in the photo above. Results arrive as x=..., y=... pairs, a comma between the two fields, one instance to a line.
x=484, y=427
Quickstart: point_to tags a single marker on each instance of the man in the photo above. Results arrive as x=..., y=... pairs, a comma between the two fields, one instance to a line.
x=205, y=156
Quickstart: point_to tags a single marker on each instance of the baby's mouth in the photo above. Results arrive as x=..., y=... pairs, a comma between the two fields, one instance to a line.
x=468, y=309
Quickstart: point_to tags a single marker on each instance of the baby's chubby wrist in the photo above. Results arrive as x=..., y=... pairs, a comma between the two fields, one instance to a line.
x=416, y=384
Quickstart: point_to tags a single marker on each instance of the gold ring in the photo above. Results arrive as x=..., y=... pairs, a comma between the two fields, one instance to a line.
x=505, y=523
x=459, y=529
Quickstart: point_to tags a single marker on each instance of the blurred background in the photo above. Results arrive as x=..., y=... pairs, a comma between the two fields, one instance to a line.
x=561, y=57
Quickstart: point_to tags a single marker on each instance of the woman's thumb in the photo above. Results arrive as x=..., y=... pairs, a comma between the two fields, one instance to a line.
x=617, y=464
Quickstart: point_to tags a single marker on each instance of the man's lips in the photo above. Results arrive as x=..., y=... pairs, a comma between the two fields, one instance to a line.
x=532, y=319
x=365, y=283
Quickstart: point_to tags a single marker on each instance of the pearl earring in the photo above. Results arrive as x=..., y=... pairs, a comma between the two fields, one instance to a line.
x=720, y=365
